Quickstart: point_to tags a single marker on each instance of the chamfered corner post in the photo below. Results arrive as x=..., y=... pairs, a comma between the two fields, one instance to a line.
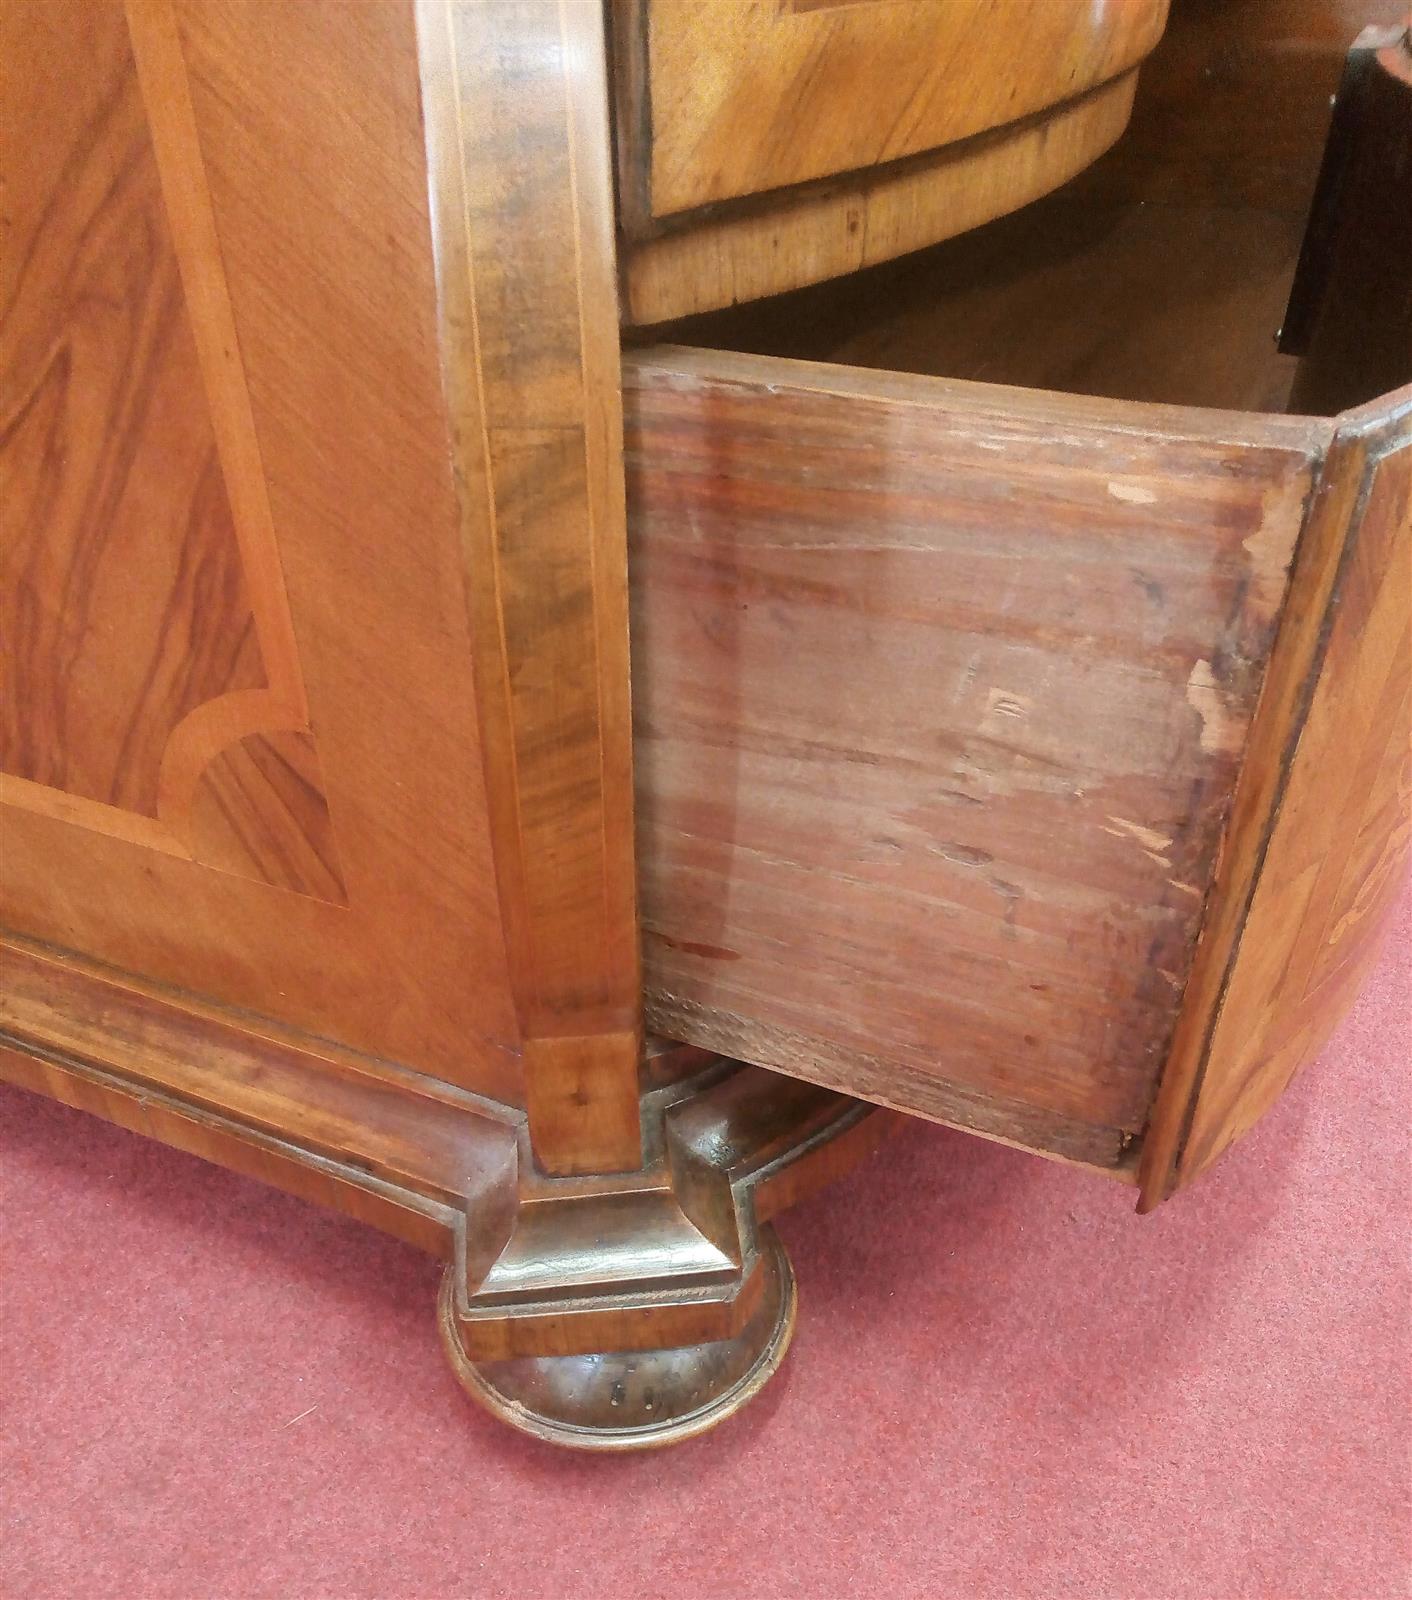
x=617, y=1284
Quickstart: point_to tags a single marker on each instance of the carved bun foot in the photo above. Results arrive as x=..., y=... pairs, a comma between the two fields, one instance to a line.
x=634, y=1399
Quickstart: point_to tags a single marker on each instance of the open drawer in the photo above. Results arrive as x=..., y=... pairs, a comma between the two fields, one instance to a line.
x=1024, y=761
x=1031, y=761
x=1025, y=758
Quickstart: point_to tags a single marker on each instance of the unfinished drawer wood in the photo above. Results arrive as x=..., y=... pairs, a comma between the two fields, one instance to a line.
x=942, y=692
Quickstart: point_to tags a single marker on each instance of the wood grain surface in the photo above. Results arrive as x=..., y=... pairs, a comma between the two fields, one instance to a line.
x=1159, y=273
x=821, y=230
x=259, y=811
x=111, y=467
x=144, y=609
x=244, y=754
x=522, y=206
x=941, y=692
x=1319, y=842
x=724, y=98
x=396, y=1126
x=1337, y=858
x=760, y=149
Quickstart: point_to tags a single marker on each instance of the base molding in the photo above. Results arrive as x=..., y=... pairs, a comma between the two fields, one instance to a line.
x=664, y=1286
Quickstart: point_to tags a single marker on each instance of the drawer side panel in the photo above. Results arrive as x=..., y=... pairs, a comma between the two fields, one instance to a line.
x=941, y=692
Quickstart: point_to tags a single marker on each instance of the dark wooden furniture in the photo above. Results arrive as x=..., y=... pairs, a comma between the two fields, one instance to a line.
x=1030, y=761
x=1350, y=309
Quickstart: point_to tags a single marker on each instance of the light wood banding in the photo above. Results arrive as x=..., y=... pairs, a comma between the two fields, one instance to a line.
x=522, y=208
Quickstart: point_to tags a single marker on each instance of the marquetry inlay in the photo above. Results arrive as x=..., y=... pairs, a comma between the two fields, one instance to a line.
x=152, y=688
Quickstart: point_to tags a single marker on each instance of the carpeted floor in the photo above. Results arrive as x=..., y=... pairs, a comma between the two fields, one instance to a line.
x=1004, y=1385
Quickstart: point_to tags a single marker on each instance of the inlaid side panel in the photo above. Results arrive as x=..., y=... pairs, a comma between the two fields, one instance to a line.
x=117, y=526
x=141, y=600
x=238, y=612
x=940, y=695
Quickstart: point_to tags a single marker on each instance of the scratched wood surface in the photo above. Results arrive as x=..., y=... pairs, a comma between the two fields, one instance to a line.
x=940, y=695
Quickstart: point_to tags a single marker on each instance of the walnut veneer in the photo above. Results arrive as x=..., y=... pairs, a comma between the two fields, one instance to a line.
x=1028, y=761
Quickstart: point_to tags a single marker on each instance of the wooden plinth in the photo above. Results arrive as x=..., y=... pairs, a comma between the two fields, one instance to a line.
x=662, y=1285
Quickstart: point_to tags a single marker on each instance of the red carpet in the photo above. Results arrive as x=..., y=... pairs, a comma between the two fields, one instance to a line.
x=1004, y=1385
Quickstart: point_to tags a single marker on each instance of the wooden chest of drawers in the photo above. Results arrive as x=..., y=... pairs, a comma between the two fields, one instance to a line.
x=560, y=805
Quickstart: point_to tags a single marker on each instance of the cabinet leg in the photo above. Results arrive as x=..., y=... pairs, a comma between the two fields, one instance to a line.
x=621, y=1311
x=634, y=1399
